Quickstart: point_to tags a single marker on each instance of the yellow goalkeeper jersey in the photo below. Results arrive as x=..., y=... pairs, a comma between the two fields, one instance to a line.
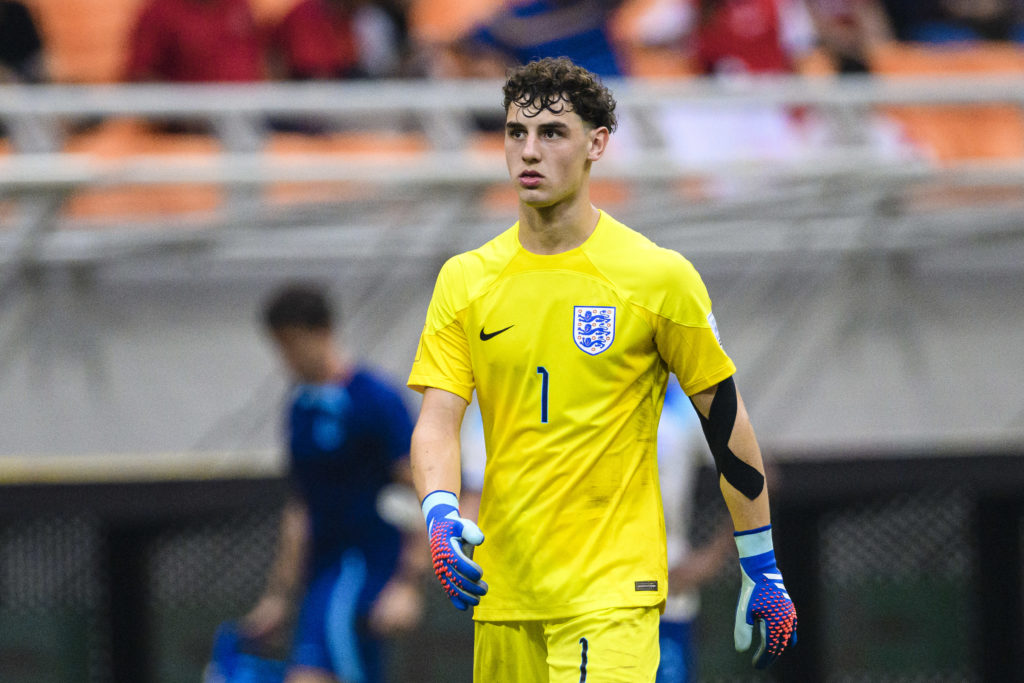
x=569, y=355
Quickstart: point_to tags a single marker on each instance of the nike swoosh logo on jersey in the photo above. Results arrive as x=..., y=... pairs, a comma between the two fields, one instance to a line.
x=484, y=336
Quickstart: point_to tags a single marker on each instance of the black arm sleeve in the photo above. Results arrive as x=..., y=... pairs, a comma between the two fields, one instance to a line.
x=718, y=427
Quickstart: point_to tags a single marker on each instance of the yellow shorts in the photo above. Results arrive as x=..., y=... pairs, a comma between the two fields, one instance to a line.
x=618, y=645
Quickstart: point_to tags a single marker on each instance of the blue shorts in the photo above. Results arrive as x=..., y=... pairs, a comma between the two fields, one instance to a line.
x=677, y=661
x=332, y=633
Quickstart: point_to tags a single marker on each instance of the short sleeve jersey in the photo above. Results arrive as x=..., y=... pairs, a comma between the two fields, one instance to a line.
x=344, y=438
x=569, y=355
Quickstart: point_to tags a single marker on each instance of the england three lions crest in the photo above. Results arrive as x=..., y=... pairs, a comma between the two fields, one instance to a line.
x=593, y=328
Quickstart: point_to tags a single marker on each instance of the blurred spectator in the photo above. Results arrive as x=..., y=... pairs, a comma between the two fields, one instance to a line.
x=736, y=39
x=526, y=30
x=189, y=41
x=317, y=40
x=664, y=23
x=750, y=36
x=21, y=48
x=906, y=15
x=971, y=20
x=334, y=39
x=944, y=21
x=384, y=42
x=966, y=20
x=848, y=29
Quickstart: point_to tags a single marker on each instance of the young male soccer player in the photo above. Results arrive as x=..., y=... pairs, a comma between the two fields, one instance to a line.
x=348, y=437
x=567, y=325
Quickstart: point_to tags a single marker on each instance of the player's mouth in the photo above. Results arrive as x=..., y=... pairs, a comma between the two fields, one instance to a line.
x=530, y=179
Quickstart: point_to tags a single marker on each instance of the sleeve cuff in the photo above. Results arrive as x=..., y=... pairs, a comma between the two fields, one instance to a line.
x=435, y=498
x=754, y=541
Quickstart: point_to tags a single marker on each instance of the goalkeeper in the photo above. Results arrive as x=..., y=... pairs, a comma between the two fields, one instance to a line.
x=566, y=326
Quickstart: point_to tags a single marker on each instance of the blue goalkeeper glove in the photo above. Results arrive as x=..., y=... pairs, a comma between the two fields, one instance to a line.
x=764, y=601
x=452, y=539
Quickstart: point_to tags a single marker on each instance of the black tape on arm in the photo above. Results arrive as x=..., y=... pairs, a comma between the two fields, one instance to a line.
x=718, y=427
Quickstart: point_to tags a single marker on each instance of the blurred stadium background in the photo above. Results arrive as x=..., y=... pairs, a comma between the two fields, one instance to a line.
x=868, y=281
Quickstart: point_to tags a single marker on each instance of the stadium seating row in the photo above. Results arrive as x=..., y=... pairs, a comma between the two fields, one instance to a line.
x=86, y=40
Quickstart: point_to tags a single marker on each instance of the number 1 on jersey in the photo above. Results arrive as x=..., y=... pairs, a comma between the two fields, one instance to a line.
x=543, y=372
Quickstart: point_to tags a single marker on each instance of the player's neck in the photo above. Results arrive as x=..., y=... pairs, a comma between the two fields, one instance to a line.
x=557, y=228
x=336, y=368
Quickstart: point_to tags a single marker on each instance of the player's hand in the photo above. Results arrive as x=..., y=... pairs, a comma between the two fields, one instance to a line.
x=452, y=539
x=764, y=601
x=397, y=609
x=267, y=620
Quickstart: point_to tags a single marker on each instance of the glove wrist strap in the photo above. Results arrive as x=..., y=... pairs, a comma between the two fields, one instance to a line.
x=439, y=497
x=754, y=541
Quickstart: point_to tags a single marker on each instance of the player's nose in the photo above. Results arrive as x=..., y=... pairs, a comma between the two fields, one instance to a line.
x=531, y=150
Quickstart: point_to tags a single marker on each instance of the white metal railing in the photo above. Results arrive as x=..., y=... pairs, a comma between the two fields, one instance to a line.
x=390, y=97
x=847, y=176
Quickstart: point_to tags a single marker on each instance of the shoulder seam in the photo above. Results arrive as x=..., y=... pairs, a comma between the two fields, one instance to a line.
x=482, y=287
x=633, y=302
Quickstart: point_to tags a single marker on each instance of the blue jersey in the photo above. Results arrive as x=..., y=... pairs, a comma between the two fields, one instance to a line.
x=555, y=28
x=344, y=439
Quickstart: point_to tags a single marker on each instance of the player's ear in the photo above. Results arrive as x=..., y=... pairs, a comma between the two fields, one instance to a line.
x=598, y=143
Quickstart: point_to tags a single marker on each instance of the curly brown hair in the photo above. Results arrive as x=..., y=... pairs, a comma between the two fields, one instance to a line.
x=550, y=83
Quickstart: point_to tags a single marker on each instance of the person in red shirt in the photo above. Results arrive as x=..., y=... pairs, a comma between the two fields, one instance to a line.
x=317, y=40
x=188, y=41
x=744, y=36
x=739, y=39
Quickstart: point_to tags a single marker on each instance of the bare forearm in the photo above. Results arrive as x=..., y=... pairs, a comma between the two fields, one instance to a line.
x=746, y=513
x=434, y=453
x=737, y=455
x=435, y=461
x=289, y=565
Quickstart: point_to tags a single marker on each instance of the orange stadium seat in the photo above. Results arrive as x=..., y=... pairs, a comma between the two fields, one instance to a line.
x=437, y=21
x=816, y=62
x=85, y=39
x=127, y=138
x=973, y=132
x=381, y=146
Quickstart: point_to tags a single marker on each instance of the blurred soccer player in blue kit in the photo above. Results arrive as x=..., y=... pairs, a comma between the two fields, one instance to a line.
x=348, y=435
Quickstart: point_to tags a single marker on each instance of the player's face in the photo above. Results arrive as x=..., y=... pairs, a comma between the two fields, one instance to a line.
x=549, y=153
x=305, y=352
